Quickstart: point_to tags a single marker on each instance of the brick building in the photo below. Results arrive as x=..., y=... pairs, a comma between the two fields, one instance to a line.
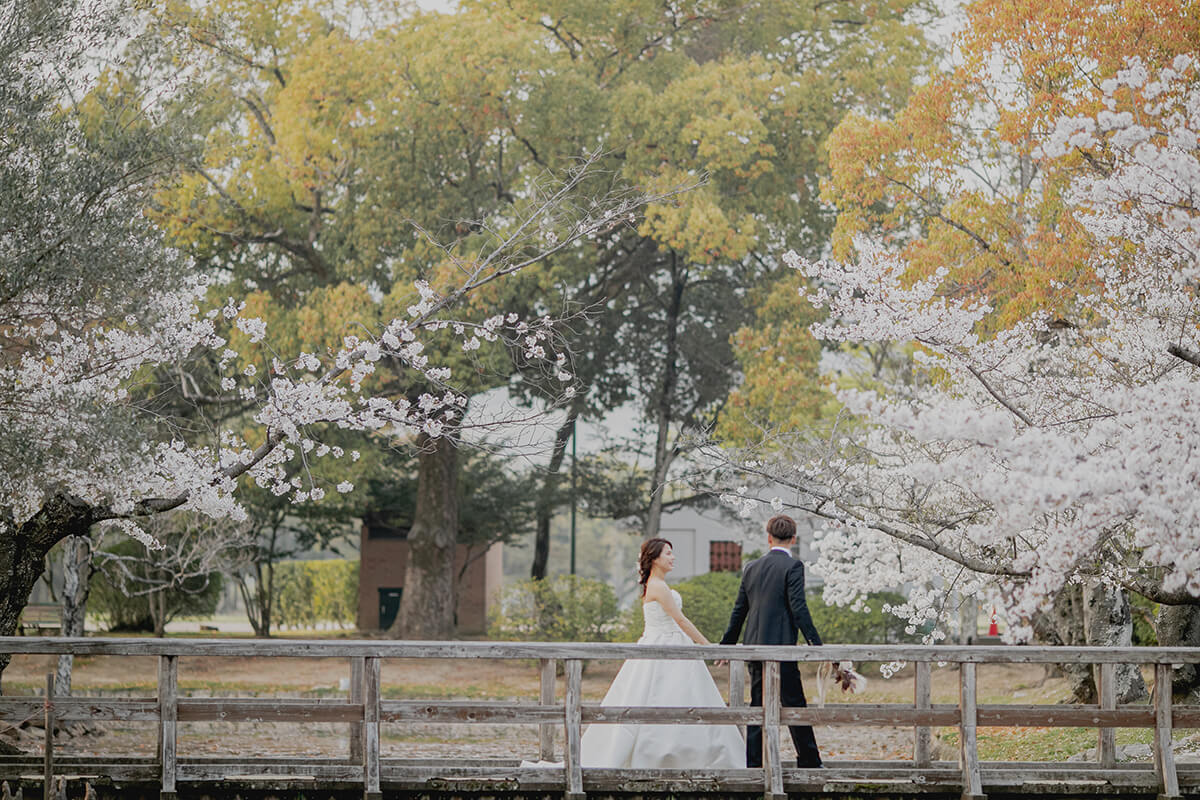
x=384, y=557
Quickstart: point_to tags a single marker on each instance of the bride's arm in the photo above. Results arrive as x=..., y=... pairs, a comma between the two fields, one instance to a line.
x=663, y=595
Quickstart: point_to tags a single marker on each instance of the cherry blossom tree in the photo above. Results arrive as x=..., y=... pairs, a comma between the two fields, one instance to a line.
x=93, y=307
x=1057, y=450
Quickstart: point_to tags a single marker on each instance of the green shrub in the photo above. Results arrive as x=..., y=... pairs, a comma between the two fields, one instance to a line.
x=309, y=592
x=841, y=625
x=1144, y=613
x=707, y=601
x=564, y=608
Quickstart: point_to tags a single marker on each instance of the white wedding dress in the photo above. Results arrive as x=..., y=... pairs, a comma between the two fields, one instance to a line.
x=644, y=682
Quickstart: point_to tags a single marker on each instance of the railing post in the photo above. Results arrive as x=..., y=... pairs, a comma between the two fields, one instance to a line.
x=546, y=698
x=48, y=753
x=371, y=692
x=1164, y=756
x=1106, y=745
x=968, y=747
x=772, y=766
x=573, y=706
x=168, y=717
x=737, y=688
x=923, y=700
x=357, y=670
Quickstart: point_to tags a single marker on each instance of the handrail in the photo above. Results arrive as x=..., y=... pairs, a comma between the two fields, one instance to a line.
x=373, y=648
x=366, y=710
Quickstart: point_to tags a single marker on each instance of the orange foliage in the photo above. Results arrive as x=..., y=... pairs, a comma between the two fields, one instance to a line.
x=954, y=179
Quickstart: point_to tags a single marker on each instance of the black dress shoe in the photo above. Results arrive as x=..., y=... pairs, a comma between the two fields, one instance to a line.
x=809, y=766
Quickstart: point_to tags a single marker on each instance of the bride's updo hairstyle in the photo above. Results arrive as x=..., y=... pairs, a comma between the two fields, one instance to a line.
x=651, y=550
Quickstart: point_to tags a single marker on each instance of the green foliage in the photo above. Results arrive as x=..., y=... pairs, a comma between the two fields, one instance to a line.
x=871, y=625
x=1144, y=613
x=564, y=608
x=123, y=604
x=309, y=592
x=706, y=599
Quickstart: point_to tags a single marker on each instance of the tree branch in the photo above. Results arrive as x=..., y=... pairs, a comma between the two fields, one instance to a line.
x=1182, y=353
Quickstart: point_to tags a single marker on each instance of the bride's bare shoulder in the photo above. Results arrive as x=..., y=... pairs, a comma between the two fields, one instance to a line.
x=656, y=589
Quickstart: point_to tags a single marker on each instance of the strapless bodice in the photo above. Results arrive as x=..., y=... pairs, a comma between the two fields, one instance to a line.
x=659, y=625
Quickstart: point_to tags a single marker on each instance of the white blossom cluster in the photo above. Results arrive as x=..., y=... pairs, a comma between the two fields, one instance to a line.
x=1011, y=463
x=74, y=388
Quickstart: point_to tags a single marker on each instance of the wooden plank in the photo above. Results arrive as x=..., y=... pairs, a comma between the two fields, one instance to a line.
x=968, y=747
x=254, y=709
x=17, y=709
x=232, y=770
x=1106, y=743
x=470, y=711
x=448, y=775
x=1185, y=716
x=922, y=701
x=871, y=714
x=1164, y=755
x=168, y=698
x=772, y=766
x=737, y=689
x=371, y=702
x=72, y=709
x=1055, y=716
x=48, y=752
x=673, y=715
x=546, y=697
x=355, y=744
x=592, y=650
x=572, y=704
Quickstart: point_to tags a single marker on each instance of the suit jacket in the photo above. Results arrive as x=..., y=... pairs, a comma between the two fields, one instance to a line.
x=770, y=603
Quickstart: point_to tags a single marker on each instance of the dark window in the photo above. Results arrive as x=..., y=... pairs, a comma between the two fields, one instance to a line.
x=724, y=557
x=389, y=606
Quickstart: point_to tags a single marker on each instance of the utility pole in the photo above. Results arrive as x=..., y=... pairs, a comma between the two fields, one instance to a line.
x=574, y=441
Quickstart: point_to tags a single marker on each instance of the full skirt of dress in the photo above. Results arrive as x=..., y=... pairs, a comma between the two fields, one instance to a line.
x=644, y=682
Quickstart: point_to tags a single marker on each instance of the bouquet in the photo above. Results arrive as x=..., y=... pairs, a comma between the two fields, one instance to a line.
x=840, y=674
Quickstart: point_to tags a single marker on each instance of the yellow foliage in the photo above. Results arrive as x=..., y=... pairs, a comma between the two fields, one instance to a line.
x=954, y=177
x=778, y=355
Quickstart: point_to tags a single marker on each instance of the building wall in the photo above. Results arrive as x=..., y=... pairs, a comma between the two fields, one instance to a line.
x=691, y=532
x=383, y=561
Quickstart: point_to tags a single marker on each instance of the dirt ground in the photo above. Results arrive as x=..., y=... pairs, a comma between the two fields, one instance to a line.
x=437, y=679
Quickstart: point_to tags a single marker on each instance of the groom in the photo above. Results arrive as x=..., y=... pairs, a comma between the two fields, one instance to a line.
x=770, y=602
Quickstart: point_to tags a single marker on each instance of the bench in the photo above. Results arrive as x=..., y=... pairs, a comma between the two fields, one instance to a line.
x=37, y=618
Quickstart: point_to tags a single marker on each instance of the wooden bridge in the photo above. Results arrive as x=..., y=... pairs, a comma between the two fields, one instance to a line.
x=365, y=773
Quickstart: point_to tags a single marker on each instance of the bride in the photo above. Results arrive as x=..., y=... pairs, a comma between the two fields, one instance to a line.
x=645, y=682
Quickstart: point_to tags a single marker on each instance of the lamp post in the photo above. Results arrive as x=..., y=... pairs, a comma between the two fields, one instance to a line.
x=574, y=440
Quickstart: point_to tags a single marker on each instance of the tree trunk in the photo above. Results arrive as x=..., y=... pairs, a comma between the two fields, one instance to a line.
x=545, y=508
x=427, y=605
x=664, y=414
x=77, y=570
x=260, y=602
x=23, y=550
x=1109, y=623
x=1179, y=626
x=1066, y=626
x=158, y=611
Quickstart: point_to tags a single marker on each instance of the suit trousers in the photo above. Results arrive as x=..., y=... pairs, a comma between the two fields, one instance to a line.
x=791, y=693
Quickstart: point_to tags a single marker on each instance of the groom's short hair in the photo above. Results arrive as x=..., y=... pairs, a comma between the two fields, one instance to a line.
x=781, y=528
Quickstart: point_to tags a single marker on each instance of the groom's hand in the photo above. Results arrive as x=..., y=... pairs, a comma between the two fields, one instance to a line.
x=720, y=662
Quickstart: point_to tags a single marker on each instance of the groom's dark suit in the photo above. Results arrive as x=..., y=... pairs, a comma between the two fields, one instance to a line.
x=771, y=605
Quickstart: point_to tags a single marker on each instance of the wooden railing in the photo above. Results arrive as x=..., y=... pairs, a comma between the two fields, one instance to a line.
x=366, y=710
